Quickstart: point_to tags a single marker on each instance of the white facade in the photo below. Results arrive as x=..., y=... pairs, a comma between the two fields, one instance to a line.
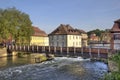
x=65, y=40
x=46, y=41
x=74, y=41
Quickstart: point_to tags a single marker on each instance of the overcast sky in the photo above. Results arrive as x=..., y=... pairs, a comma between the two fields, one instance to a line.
x=82, y=14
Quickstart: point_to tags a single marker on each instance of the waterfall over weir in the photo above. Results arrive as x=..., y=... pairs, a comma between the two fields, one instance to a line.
x=61, y=68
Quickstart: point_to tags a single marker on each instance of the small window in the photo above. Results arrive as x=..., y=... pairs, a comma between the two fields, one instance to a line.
x=57, y=43
x=62, y=44
x=73, y=44
x=76, y=37
x=76, y=43
x=70, y=37
x=63, y=37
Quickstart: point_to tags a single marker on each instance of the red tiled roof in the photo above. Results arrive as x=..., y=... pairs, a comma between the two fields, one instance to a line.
x=116, y=26
x=81, y=31
x=65, y=30
x=38, y=32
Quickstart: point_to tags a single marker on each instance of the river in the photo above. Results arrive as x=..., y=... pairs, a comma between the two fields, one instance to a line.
x=61, y=68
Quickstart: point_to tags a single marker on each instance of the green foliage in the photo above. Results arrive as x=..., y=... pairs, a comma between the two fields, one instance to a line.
x=16, y=24
x=97, y=32
x=114, y=75
x=116, y=58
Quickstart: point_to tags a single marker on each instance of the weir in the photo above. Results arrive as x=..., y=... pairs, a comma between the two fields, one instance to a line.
x=63, y=51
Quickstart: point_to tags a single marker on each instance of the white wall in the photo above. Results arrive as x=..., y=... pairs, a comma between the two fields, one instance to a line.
x=74, y=41
x=65, y=40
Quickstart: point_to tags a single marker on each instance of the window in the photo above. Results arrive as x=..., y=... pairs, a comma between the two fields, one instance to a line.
x=70, y=37
x=52, y=43
x=73, y=44
x=62, y=44
x=52, y=37
x=117, y=37
x=76, y=37
x=57, y=37
x=62, y=37
x=76, y=43
x=79, y=43
x=57, y=43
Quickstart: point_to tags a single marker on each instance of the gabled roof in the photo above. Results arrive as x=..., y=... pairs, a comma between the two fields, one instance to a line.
x=65, y=30
x=116, y=26
x=81, y=31
x=38, y=32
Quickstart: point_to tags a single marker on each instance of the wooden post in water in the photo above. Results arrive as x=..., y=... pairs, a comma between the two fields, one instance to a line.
x=82, y=50
x=16, y=47
x=24, y=47
x=74, y=51
x=32, y=49
x=43, y=48
x=98, y=53
x=28, y=48
x=12, y=47
x=67, y=51
x=54, y=49
x=61, y=50
x=49, y=49
x=20, y=47
x=90, y=53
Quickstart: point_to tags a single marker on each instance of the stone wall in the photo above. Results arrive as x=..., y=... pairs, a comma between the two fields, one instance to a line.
x=3, y=52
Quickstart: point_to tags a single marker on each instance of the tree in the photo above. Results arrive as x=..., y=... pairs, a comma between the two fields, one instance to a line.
x=15, y=24
x=96, y=31
x=114, y=75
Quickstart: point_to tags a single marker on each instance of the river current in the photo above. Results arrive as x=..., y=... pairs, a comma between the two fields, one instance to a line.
x=61, y=68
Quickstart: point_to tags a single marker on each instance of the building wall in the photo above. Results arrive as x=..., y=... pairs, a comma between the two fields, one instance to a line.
x=65, y=40
x=74, y=41
x=57, y=40
x=46, y=41
x=84, y=40
x=116, y=38
x=39, y=41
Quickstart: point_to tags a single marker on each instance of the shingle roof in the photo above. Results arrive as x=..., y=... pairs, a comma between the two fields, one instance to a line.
x=81, y=31
x=64, y=30
x=116, y=26
x=38, y=32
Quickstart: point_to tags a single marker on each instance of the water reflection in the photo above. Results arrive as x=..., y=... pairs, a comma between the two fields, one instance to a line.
x=6, y=62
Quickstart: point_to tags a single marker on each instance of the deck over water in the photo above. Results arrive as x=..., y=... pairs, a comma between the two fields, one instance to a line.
x=63, y=51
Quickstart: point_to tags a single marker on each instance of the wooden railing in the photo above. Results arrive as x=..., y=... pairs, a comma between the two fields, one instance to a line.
x=71, y=51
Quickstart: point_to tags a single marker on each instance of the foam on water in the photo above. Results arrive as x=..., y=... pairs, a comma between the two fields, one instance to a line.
x=56, y=69
x=71, y=59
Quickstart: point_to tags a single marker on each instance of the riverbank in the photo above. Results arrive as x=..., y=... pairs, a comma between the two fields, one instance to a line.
x=3, y=52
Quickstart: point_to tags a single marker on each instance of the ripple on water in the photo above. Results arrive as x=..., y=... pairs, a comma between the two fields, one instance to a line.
x=58, y=69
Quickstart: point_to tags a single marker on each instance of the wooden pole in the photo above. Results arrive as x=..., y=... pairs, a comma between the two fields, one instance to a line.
x=54, y=49
x=37, y=49
x=49, y=49
x=67, y=51
x=74, y=51
x=98, y=53
x=90, y=53
x=43, y=48
x=82, y=50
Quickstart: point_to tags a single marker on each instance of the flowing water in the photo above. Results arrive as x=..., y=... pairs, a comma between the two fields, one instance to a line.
x=61, y=68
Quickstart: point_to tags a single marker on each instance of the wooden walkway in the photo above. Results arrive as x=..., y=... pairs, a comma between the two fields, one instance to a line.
x=63, y=51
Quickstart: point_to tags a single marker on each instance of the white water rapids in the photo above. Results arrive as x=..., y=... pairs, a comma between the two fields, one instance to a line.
x=61, y=68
